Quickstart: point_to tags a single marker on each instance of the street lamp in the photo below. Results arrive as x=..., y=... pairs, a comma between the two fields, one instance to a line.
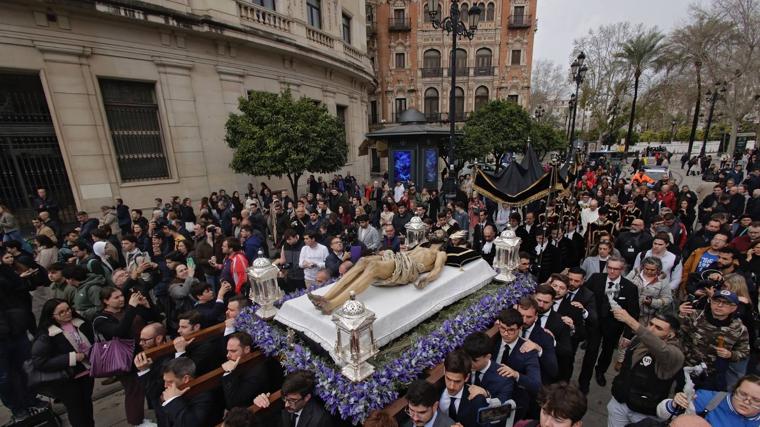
x=672, y=130
x=712, y=97
x=570, y=109
x=578, y=73
x=453, y=25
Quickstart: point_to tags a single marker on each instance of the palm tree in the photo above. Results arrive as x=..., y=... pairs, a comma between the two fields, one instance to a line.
x=640, y=53
x=690, y=46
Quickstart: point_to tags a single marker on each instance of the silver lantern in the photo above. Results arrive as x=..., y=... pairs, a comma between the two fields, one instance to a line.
x=262, y=276
x=415, y=232
x=355, y=342
x=507, y=256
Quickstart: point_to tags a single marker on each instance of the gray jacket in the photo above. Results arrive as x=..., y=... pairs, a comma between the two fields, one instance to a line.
x=370, y=237
x=8, y=222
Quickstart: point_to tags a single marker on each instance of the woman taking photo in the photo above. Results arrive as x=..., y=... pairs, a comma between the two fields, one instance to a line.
x=117, y=321
x=63, y=344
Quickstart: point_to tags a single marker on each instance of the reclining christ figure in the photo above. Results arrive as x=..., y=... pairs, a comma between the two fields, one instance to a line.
x=393, y=269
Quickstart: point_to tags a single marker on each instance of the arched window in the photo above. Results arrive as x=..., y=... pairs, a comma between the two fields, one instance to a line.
x=490, y=11
x=483, y=62
x=482, y=7
x=431, y=104
x=461, y=64
x=459, y=103
x=463, y=12
x=426, y=13
x=431, y=63
x=481, y=96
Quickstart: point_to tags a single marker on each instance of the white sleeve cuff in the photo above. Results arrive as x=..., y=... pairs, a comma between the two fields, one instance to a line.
x=167, y=402
x=141, y=373
x=72, y=359
x=178, y=354
x=228, y=331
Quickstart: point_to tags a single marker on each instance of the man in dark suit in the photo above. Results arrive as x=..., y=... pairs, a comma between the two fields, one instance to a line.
x=537, y=339
x=203, y=409
x=527, y=231
x=336, y=256
x=610, y=289
x=522, y=367
x=572, y=317
x=553, y=324
x=301, y=407
x=579, y=297
x=242, y=385
x=423, y=406
x=211, y=309
x=455, y=399
x=487, y=249
x=478, y=237
x=149, y=372
x=206, y=354
x=484, y=379
x=576, y=243
x=547, y=256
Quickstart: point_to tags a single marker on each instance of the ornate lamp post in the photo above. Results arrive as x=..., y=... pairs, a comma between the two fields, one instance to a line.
x=673, y=131
x=452, y=24
x=578, y=73
x=355, y=342
x=712, y=97
x=539, y=112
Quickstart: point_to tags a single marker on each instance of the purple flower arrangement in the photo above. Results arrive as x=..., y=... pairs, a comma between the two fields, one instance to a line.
x=355, y=401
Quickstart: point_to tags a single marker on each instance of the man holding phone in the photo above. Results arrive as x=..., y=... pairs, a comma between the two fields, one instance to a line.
x=714, y=336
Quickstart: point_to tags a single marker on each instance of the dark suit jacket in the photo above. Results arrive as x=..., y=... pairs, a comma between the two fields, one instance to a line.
x=441, y=420
x=528, y=366
x=477, y=235
x=628, y=299
x=207, y=355
x=201, y=410
x=467, y=414
x=548, y=358
x=332, y=263
x=212, y=313
x=489, y=256
x=243, y=384
x=312, y=415
x=153, y=385
x=587, y=298
x=578, y=333
x=563, y=346
x=499, y=387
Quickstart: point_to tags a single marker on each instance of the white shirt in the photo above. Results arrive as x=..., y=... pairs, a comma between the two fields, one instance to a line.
x=398, y=192
x=588, y=217
x=612, y=291
x=445, y=401
x=317, y=256
x=487, y=246
x=672, y=273
x=503, y=347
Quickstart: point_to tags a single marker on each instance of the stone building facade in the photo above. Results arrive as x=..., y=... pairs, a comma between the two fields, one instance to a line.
x=108, y=99
x=412, y=59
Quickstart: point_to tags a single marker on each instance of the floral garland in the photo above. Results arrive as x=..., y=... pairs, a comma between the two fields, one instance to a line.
x=355, y=401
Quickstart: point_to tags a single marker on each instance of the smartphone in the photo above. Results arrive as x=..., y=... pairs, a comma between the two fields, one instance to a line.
x=190, y=263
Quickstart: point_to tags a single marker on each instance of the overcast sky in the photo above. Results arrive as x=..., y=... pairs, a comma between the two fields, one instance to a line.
x=562, y=21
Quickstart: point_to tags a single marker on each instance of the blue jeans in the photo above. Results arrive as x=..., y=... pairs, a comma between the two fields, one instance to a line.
x=13, y=391
x=16, y=235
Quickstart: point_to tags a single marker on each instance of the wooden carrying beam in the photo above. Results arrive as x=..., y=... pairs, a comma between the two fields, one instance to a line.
x=212, y=380
x=202, y=335
x=273, y=398
x=435, y=374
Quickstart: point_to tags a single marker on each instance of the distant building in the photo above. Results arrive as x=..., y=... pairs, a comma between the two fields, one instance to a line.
x=105, y=99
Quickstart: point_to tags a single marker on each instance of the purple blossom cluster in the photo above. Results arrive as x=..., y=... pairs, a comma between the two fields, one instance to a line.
x=355, y=401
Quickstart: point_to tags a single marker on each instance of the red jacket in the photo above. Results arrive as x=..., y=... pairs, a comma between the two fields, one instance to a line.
x=668, y=199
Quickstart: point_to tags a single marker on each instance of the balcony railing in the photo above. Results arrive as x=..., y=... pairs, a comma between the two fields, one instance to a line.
x=399, y=24
x=352, y=52
x=520, y=21
x=483, y=71
x=459, y=116
x=462, y=71
x=260, y=17
x=319, y=37
x=432, y=72
x=433, y=117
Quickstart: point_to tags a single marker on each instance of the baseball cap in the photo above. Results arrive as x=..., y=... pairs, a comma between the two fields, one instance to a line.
x=727, y=295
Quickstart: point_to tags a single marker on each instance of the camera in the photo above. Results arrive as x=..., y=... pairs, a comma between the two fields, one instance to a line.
x=211, y=229
x=286, y=266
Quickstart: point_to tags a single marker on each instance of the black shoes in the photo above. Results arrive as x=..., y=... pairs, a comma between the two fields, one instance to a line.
x=600, y=379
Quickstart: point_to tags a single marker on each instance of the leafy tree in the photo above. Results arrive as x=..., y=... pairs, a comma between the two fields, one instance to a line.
x=546, y=138
x=499, y=126
x=640, y=53
x=277, y=135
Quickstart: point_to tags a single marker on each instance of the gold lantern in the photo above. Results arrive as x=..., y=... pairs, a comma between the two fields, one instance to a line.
x=415, y=232
x=262, y=276
x=355, y=342
x=507, y=256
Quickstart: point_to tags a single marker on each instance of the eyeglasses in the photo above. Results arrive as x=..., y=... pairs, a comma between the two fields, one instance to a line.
x=62, y=312
x=721, y=302
x=745, y=397
x=509, y=329
x=411, y=412
x=292, y=402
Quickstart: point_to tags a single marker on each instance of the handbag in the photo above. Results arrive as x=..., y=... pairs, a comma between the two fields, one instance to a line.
x=110, y=358
x=36, y=378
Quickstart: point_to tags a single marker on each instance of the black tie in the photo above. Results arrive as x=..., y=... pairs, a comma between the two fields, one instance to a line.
x=478, y=378
x=453, y=409
x=569, y=297
x=610, y=285
x=524, y=333
x=293, y=420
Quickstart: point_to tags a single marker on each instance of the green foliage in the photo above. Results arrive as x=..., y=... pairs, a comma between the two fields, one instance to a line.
x=277, y=135
x=498, y=127
x=546, y=138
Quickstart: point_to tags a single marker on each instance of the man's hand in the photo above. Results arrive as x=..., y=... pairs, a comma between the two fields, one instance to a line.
x=80, y=357
x=577, y=304
x=568, y=321
x=476, y=390
x=180, y=344
x=230, y=365
x=622, y=316
x=226, y=287
x=506, y=371
x=134, y=299
x=172, y=391
x=143, y=362
x=262, y=400
x=28, y=272
x=229, y=323
x=212, y=261
x=685, y=309
x=681, y=400
x=722, y=352
x=528, y=346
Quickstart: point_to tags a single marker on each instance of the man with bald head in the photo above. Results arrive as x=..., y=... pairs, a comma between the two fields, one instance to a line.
x=487, y=249
x=149, y=371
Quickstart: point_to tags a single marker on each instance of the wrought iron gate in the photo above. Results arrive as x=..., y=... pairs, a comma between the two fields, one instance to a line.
x=29, y=153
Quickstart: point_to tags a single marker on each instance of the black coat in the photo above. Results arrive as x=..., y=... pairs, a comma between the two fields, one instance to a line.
x=207, y=355
x=201, y=410
x=312, y=415
x=467, y=414
x=628, y=299
x=243, y=384
x=51, y=350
